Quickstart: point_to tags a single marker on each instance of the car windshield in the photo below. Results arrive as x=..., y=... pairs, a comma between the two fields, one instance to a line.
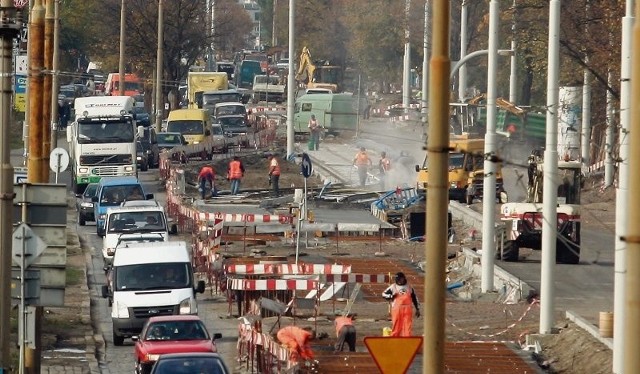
x=105, y=132
x=456, y=160
x=152, y=276
x=184, y=365
x=176, y=330
x=115, y=195
x=186, y=127
x=232, y=121
x=91, y=190
x=169, y=139
x=216, y=130
x=230, y=110
x=135, y=222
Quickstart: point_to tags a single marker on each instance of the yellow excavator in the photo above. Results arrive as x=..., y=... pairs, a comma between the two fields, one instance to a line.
x=323, y=75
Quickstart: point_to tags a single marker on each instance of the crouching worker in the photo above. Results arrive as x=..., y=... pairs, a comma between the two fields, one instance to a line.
x=346, y=333
x=296, y=340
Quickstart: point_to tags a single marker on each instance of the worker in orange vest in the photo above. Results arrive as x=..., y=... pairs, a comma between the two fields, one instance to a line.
x=401, y=296
x=346, y=333
x=274, y=175
x=362, y=162
x=206, y=176
x=235, y=174
x=296, y=340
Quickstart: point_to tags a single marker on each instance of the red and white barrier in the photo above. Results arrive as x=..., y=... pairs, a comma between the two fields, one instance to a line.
x=271, y=284
x=355, y=278
x=247, y=217
x=286, y=269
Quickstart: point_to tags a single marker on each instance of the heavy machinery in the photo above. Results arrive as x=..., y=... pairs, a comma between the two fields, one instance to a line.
x=524, y=220
x=318, y=74
x=466, y=171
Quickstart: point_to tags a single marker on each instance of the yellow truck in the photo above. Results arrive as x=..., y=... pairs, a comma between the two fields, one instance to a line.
x=193, y=124
x=200, y=81
x=466, y=171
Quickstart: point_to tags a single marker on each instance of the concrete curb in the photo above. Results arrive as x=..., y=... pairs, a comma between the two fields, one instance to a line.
x=590, y=328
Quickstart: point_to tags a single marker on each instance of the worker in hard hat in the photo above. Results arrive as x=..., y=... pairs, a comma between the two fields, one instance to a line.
x=401, y=296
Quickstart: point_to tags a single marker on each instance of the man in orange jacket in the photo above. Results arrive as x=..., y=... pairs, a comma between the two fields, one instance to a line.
x=402, y=296
x=235, y=174
x=346, y=333
x=296, y=340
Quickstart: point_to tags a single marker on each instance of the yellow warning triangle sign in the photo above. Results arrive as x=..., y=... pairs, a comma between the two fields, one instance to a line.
x=393, y=355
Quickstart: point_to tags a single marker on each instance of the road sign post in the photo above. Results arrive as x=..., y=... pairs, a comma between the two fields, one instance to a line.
x=306, y=170
x=58, y=161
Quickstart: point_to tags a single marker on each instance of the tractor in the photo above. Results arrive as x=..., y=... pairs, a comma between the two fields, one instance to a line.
x=524, y=220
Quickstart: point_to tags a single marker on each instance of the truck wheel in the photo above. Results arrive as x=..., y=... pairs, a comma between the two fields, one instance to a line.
x=567, y=252
x=510, y=252
x=117, y=340
x=81, y=220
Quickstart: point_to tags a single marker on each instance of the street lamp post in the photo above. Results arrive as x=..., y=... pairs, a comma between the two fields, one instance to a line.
x=159, y=66
x=482, y=52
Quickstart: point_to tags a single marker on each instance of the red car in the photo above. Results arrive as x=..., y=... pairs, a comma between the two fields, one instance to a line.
x=171, y=334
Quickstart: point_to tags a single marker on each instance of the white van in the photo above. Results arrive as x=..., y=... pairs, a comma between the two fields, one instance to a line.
x=134, y=217
x=150, y=279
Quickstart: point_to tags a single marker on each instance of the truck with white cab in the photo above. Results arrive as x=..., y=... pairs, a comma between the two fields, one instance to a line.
x=101, y=139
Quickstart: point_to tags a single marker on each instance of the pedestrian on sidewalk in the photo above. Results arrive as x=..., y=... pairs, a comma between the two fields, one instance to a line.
x=346, y=333
x=401, y=296
x=235, y=174
x=314, y=133
x=384, y=166
x=206, y=178
x=274, y=175
x=362, y=162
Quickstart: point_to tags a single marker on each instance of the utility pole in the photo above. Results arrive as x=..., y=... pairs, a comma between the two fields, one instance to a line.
x=122, y=52
x=462, y=73
x=274, y=38
x=49, y=25
x=585, y=140
x=489, y=184
x=35, y=83
x=290, y=80
x=549, y=188
x=513, y=76
x=55, y=75
x=406, y=81
x=622, y=193
x=632, y=238
x=9, y=29
x=425, y=62
x=437, y=192
x=160, y=67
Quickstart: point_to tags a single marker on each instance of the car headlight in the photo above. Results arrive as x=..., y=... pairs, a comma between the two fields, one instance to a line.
x=83, y=170
x=196, y=142
x=151, y=357
x=102, y=217
x=120, y=310
x=86, y=205
x=139, y=158
x=186, y=307
x=128, y=168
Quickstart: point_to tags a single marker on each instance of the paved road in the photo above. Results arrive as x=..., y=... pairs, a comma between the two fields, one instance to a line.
x=586, y=288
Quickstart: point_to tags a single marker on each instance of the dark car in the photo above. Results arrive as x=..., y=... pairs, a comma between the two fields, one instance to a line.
x=84, y=205
x=171, y=334
x=168, y=140
x=190, y=363
x=142, y=116
x=142, y=158
x=233, y=125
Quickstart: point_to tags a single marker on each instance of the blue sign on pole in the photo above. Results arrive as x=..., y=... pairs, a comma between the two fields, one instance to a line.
x=307, y=168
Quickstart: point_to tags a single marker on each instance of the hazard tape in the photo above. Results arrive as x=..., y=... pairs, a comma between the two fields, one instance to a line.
x=356, y=278
x=505, y=330
x=287, y=269
x=261, y=109
x=246, y=217
x=272, y=284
